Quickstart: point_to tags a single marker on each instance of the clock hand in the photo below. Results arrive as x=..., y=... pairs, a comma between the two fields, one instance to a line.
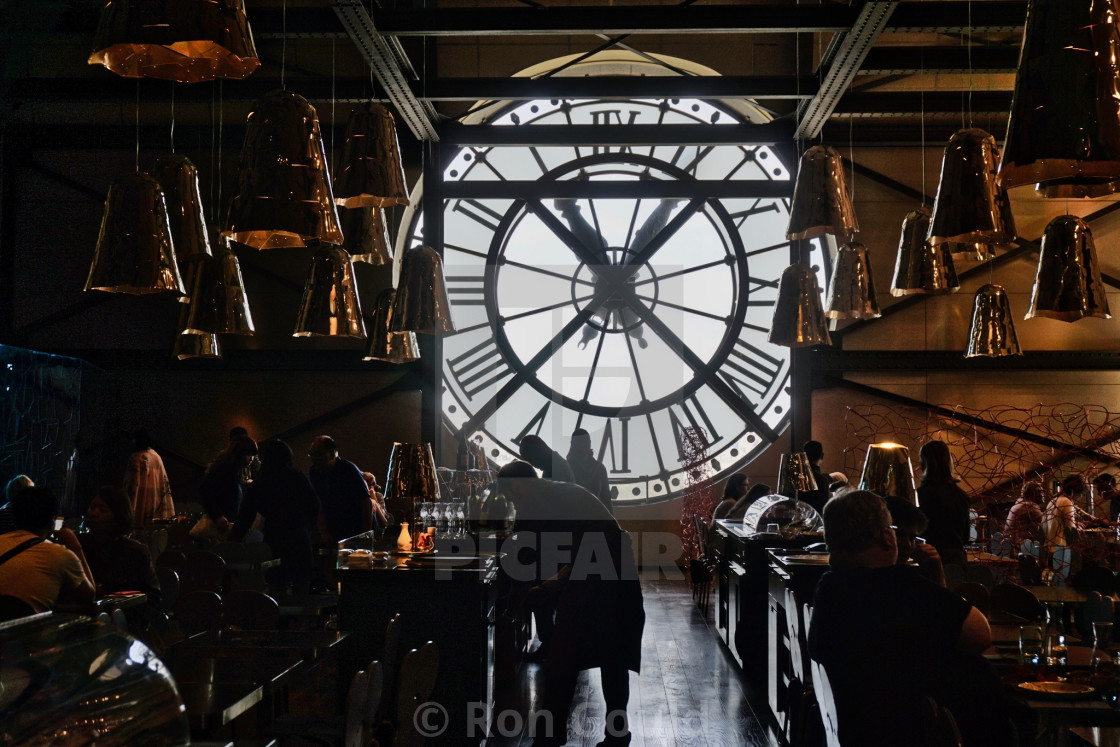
x=592, y=239
x=654, y=223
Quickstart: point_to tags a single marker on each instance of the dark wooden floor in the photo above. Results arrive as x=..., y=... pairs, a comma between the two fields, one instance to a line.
x=690, y=691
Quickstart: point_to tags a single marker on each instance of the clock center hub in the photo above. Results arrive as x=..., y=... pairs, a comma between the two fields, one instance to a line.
x=623, y=282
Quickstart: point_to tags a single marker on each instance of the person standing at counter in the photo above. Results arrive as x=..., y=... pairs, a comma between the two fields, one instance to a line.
x=888, y=638
x=343, y=495
x=38, y=571
x=220, y=489
x=589, y=472
x=146, y=483
x=1024, y=520
x=599, y=611
x=943, y=502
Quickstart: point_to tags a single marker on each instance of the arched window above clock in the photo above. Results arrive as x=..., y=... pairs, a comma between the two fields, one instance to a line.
x=613, y=265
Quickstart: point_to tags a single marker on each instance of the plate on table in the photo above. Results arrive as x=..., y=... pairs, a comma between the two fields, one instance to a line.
x=1056, y=690
x=413, y=553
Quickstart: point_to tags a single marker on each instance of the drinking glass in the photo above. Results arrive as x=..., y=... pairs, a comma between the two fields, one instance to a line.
x=1030, y=644
x=1056, y=652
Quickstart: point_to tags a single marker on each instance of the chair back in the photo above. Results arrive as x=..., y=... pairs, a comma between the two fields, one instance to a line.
x=980, y=574
x=798, y=638
x=1030, y=572
x=1011, y=603
x=954, y=574
x=1095, y=578
x=172, y=558
x=375, y=673
x=250, y=610
x=354, y=734
x=414, y=686
x=202, y=570
x=827, y=703
x=168, y=587
x=231, y=552
x=977, y=595
x=198, y=610
x=390, y=662
x=13, y=608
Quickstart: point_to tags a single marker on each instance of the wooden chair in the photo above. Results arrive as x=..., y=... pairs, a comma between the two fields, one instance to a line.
x=1011, y=603
x=700, y=568
x=939, y=726
x=827, y=705
x=202, y=570
x=198, y=610
x=1094, y=578
x=168, y=587
x=1030, y=572
x=954, y=574
x=352, y=728
x=172, y=558
x=250, y=610
x=231, y=552
x=980, y=574
x=414, y=686
x=391, y=662
x=801, y=698
x=977, y=595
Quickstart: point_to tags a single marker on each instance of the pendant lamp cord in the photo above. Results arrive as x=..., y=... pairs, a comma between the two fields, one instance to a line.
x=221, y=119
x=968, y=42
x=333, y=120
x=284, y=43
x=137, y=124
x=172, y=116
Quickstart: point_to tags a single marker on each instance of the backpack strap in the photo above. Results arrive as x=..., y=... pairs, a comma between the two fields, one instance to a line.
x=19, y=548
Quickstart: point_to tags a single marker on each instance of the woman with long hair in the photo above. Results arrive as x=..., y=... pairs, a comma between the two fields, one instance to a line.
x=220, y=489
x=284, y=497
x=117, y=562
x=943, y=502
x=735, y=488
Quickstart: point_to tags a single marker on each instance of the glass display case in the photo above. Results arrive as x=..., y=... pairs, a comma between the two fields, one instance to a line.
x=779, y=514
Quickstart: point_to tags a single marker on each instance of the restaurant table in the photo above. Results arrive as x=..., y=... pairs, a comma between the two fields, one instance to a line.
x=1064, y=595
x=211, y=705
x=120, y=600
x=306, y=644
x=271, y=673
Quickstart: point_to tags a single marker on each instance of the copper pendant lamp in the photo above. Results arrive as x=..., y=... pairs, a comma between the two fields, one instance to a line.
x=799, y=320
x=191, y=344
x=821, y=203
x=1068, y=283
x=178, y=178
x=367, y=235
x=135, y=253
x=851, y=294
x=218, y=301
x=330, y=306
x=922, y=267
x=992, y=332
x=421, y=303
x=887, y=472
x=1064, y=130
x=284, y=194
x=385, y=345
x=188, y=41
x=795, y=475
x=967, y=207
x=372, y=172
x=976, y=251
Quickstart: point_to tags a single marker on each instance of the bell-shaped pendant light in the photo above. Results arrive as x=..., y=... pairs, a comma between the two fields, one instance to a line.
x=194, y=345
x=284, y=194
x=1064, y=130
x=421, y=303
x=887, y=472
x=218, y=301
x=795, y=475
x=821, y=203
x=976, y=251
x=178, y=178
x=412, y=479
x=799, y=320
x=1068, y=283
x=921, y=267
x=385, y=345
x=992, y=332
x=330, y=306
x=188, y=41
x=967, y=207
x=851, y=294
x=372, y=172
x=367, y=235
x=135, y=253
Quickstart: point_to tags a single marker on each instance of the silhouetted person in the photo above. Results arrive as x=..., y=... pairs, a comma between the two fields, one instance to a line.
x=539, y=454
x=146, y=483
x=343, y=494
x=589, y=472
x=118, y=563
x=220, y=490
x=734, y=488
x=944, y=504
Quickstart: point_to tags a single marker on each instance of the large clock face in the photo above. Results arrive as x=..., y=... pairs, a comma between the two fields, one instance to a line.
x=640, y=319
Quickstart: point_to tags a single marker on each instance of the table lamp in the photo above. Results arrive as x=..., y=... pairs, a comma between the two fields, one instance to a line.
x=411, y=479
x=887, y=472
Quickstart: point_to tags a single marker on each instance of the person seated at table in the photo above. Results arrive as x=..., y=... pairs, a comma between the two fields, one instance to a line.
x=734, y=489
x=220, y=490
x=377, y=502
x=536, y=452
x=1107, y=506
x=1059, y=521
x=945, y=505
x=118, y=563
x=739, y=509
x=1024, y=520
x=16, y=484
x=42, y=572
x=283, y=495
x=889, y=638
x=909, y=523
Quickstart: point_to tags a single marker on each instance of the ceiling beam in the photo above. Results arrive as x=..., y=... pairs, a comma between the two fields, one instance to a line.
x=847, y=53
x=778, y=131
x=933, y=60
x=617, y=87
x=933, y=103
x=953, y=17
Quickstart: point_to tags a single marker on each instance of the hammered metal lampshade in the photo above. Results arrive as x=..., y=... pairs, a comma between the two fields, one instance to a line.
x=284, y=196
x=795, y=475
x=992, y=332
x=968, y=205
x=178, y=178
x=799, y=320
x=366, y=235
x=384, y=345
x=821, y=203
x=1068, y=283
x=411, y=478
x=188, y=41
x=1064, y=130
x=330, y=306
x=887, y=472
x=191, y=344
x=135, y=253
x=372, y=172
x=851, y=294
x=920, y=266
x=421, y=303
x=976, y=251
x=218, y=301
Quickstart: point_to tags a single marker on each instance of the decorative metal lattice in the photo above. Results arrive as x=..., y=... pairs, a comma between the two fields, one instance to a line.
x=698, y=491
